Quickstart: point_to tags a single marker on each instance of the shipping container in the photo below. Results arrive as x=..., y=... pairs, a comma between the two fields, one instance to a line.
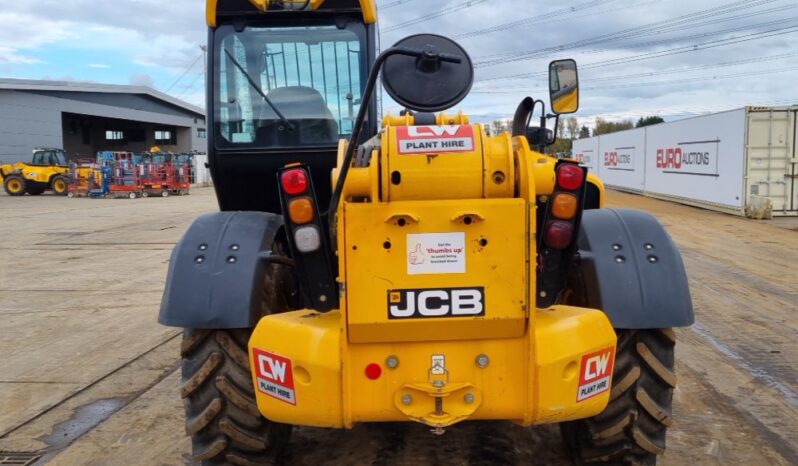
x=742, y=161
x=621, y=160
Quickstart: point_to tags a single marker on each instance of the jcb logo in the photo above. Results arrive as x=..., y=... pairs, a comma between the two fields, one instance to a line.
x=432, y=131
x=439, y=302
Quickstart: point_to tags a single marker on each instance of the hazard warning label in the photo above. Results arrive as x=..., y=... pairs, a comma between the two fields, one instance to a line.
x=435, y=139
x=275, y=375
x=595, y=373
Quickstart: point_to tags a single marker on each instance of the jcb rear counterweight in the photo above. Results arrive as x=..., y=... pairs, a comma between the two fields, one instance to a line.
x=442, y=275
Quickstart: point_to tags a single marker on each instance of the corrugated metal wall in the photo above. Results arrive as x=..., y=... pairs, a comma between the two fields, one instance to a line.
x=27, y=121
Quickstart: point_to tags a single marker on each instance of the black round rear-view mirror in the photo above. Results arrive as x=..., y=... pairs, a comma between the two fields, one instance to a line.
x=437, y=80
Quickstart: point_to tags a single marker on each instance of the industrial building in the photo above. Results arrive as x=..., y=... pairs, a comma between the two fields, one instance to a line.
x=84, y=118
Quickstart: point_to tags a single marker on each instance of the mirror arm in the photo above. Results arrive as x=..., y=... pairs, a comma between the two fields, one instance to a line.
x=556, y=127
x=357, y=128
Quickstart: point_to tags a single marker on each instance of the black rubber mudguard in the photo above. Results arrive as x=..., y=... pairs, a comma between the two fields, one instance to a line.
x=217, y=271
x=629, y=267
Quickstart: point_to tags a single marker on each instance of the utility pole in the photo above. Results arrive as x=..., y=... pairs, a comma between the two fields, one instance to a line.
x=204, y=49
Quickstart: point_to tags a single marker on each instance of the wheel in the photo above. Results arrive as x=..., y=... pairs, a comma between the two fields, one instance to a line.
x=59, y=185
x=165, y=193
x=132, y=195
x=14, y=185
x=222, y=417
x=145, y=194
x=631, y=430
x=70, y=195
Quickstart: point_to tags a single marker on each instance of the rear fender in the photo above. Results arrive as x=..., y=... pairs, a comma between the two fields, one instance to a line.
x=217, y=271
x=629, y=267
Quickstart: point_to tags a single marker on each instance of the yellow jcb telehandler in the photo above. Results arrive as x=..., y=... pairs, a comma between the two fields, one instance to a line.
x=48, y=170
x=415, y=270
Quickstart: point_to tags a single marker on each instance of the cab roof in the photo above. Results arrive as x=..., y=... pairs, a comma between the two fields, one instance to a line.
x=221, y=8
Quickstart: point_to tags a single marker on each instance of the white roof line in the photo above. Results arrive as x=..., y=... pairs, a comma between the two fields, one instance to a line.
x=69, y=86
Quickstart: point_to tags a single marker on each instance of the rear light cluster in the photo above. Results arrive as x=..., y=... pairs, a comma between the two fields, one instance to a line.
x=559, y=230
x=301, y=210
x=307, y=242
x=564, y=206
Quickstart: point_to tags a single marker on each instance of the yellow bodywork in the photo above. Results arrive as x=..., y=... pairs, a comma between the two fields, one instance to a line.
x=35, y=173
x=369, y=362
x=367, y=7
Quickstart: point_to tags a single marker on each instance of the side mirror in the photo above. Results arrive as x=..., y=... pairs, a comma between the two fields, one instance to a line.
x=435, y=75
x=564, y=86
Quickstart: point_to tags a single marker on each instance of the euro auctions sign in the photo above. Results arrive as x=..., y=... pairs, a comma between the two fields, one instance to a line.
x=434, y=139
x=689, y=158
x=595, y=373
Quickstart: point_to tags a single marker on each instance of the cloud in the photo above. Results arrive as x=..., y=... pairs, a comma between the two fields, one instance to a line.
x=142, y=79
x=99, y=66
x=159, y=41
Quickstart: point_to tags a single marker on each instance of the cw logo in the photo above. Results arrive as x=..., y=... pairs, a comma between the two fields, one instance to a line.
x=432, y=131
x=272, y=368
x=596, y=367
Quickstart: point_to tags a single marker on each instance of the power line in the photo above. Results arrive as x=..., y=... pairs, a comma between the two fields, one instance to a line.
x=668, y=52
x=388, y=5
x=433, y=15
x=185, y=72
x=646, y=84
x=190, y=88
x=532, y=19
x=650, y=74
x=652, y=28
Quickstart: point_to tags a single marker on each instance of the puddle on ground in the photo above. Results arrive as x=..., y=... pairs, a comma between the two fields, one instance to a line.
x=84, y=419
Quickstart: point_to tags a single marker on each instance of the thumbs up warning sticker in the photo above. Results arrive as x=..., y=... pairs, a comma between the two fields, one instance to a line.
x=436, y=253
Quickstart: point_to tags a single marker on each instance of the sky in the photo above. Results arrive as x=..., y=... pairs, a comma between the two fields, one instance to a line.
x=673, y=58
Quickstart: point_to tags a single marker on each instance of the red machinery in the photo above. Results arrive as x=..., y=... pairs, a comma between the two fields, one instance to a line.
x=165, y=177
x=125, y=177
x=85, y=178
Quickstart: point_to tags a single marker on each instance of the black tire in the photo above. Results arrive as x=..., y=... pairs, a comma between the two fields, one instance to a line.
x=60, y=185
x=632, y=429
x=222, y=417
x=15, y=185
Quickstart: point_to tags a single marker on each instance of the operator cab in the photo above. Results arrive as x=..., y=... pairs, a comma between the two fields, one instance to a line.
x=49, y=157
x=285, y=84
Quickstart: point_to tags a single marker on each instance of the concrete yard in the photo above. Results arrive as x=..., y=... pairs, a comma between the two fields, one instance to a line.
x=87, y=376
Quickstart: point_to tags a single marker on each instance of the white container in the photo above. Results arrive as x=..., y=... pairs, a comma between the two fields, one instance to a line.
x=586, y=152
x=202, y=175
x=742, y=161
x=622, y=159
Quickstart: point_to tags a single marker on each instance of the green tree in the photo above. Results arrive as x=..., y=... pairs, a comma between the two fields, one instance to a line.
x=648, y=121
x=584, y=132
x=560, y=146
x=605, y=127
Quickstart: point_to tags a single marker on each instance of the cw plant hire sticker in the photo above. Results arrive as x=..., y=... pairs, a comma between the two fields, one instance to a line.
x=435, y=139
x=595, y=373
x=275, y=375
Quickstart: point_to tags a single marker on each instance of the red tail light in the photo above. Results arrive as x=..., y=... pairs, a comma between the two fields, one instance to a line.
x=570, y=177
x=559, y=234
x=294, y=181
